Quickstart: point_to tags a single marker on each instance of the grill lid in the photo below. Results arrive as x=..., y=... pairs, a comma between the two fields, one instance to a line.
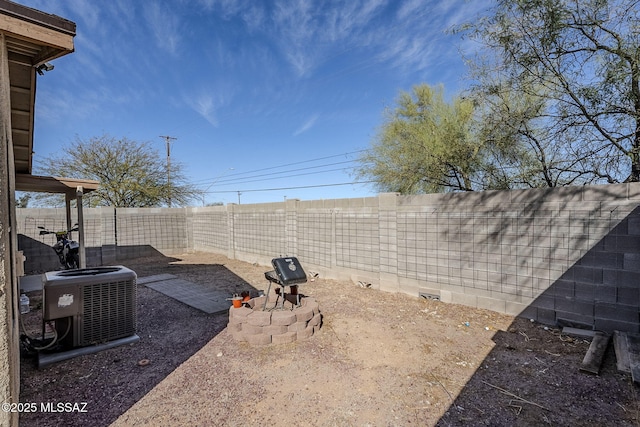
x=289, y=270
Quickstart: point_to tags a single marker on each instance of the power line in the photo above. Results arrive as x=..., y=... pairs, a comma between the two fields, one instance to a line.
x=284, y=165
x=294, y=188
x=282, y=177
x=243, y=180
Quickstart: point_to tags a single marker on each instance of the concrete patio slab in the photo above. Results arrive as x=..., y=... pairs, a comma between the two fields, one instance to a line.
x=198, y=296
x=30, y=283
x=155, y=278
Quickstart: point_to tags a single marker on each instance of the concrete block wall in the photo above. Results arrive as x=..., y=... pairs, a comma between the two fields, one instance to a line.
x=211, y=229
x=39, y=256
x=111, y=235
x=164, y=229
x=568, y=255
x=260, y=231
x=555, y=255
x=338, y=237
x=551, y=255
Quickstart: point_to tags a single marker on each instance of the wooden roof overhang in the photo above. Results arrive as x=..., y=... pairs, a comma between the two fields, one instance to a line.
x=33, y=38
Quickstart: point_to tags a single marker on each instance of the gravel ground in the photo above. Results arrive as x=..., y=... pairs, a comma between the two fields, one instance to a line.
x=380, y=359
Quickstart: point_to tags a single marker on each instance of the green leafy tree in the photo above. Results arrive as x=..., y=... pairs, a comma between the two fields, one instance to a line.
x=559, y=82
x=131, y=173
x=425, y=145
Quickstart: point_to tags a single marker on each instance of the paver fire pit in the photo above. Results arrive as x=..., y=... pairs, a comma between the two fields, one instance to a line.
x=290, y=323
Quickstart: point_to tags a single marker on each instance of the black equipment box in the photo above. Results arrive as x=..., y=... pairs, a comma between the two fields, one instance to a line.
x=289, y=271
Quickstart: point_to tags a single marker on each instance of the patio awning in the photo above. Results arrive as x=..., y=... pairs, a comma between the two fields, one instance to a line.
x=50, y=184
x=71, y=188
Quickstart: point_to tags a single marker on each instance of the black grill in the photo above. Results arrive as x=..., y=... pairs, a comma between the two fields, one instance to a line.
x=286, y=272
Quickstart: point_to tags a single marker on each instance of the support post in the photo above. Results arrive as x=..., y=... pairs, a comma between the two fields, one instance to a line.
x=81, y=249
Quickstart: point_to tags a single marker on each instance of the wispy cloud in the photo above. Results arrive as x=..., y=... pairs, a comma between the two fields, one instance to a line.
x=254, y=16
x=411, y=35
x=308, y=124
x=308, y=32
x=408, y=53
x=206, y=103
x=68, y=105
x=409, y=8
x=164, y=25
x=250, y=11
x=351, y=18
x=65, y=105
x=87, y=10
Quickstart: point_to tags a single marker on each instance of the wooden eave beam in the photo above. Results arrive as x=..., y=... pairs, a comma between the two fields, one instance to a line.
x=35, y=33
x=34, y=26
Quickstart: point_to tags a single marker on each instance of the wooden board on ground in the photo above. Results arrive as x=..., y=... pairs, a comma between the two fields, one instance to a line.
x=577, y=332
x=633, y=344
x=621, y=348
x=595, y=355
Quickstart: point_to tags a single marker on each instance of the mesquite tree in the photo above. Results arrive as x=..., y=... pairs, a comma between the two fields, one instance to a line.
x=578, y=63
x=131, y=173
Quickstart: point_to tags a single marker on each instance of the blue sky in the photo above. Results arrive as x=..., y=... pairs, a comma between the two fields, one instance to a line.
x=259, y=94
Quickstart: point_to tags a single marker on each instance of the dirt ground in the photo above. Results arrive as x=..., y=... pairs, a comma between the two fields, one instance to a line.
x=380, y=359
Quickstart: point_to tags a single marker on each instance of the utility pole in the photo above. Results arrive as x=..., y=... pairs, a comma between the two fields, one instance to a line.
x=168, y=139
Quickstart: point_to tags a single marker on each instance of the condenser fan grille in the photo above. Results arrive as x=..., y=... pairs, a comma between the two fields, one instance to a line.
x=109, y=311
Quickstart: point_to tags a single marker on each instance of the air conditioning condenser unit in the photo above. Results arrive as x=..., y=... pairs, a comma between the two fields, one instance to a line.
x=91, y=305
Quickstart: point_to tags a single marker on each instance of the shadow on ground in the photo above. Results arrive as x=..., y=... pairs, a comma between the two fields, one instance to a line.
x=516, y=377
x=111, y=381
x=429, y=374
